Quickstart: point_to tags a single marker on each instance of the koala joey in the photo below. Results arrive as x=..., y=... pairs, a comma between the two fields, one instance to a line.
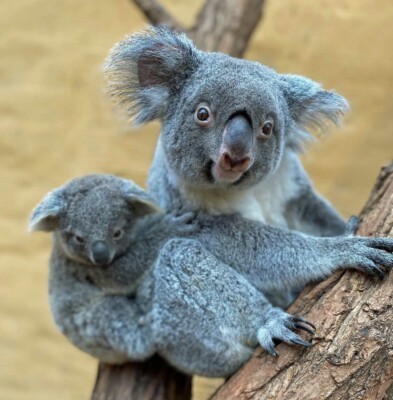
x=127, y=281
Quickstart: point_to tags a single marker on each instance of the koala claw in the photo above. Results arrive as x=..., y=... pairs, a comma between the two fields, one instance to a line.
x=298, y=318
x=280, y=327
x=185, y=223
x=304, y=328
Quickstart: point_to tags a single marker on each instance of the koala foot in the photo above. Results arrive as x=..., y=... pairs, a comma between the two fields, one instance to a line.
x=280, y=326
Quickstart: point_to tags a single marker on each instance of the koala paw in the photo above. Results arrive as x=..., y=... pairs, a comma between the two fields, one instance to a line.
x=183, y=223
x=280, y=326
x=370, y=255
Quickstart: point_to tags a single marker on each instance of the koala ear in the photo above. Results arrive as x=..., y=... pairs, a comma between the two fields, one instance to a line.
x=310, y=106
x=141, y=203
x=144, y=69
x=46, y=214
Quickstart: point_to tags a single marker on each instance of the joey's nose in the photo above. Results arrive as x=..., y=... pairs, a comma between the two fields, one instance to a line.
x=100, y=252
x=229, y=163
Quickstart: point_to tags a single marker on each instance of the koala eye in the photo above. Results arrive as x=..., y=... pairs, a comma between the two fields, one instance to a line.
x=203, y=115
x=79, y=239
x=117, y=234
x=267, y=129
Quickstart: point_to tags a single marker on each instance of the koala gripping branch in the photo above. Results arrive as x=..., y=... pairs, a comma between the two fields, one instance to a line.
x=352, y=356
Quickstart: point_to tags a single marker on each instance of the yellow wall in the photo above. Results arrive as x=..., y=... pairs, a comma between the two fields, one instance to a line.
x=55, y=123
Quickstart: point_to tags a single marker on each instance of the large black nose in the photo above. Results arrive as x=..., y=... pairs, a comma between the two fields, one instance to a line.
x=238, y=137
x=100, y=252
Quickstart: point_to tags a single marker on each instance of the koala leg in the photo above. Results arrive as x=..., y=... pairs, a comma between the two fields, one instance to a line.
x=107, y=327
x=206, y=315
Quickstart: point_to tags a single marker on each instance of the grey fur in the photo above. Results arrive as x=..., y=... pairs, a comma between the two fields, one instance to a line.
x=199, y=300
x=184, y=169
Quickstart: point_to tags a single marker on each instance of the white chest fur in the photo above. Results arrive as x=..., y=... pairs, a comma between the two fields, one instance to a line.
x=264, y=202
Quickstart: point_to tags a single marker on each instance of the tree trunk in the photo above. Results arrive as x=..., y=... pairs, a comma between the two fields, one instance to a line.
x=151, y=380
x=226, y=25
x=352, y=356
x=221, y=25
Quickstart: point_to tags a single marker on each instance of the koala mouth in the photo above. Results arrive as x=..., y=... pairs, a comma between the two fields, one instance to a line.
x=216, y=175
x=221, y=175
x=228, y=171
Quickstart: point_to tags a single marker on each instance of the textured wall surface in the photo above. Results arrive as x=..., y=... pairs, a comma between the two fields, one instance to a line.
x=55, y=123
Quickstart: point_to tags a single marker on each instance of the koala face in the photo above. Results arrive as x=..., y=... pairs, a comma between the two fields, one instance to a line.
x=93, y=217
x=96, y=226
x=230, y=135
x=225, y=121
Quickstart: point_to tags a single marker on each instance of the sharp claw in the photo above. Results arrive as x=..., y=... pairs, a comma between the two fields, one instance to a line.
x=271, y=350
x=379, y=272
x=304, y=321
x=301, y=342
x=304, y=328
x=269, y=347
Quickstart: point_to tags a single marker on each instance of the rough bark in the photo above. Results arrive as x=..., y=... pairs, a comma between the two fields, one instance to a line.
x=352, y=356
x=226, y=25
x=152, y=380
x=221, y=25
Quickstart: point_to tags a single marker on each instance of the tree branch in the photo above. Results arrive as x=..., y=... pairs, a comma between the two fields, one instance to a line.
x=151, y=380
x=352, y=356
x=157, y=14
x=226, y=25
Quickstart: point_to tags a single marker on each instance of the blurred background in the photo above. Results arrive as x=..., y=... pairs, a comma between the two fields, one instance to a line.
x=55, y=124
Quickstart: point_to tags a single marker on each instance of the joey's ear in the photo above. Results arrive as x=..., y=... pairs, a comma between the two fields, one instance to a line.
x=310, y=106
x=46, y=214
x=142, y=70
x=140, y=202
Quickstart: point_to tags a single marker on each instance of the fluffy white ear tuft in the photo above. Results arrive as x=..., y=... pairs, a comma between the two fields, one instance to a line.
x=142, y=70
x=310, y=106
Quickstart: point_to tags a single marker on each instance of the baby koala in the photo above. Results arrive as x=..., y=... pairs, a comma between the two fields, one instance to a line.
x=115, y=296
x=127, y=281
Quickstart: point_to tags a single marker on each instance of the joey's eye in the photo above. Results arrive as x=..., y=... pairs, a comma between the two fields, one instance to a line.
x=267, y=129
x=203, y=115
x=79, y=239
x=117, y=234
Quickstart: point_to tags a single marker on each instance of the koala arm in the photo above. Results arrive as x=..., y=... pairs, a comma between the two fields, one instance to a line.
x=111, y=328
x=207, y=318
x=276, y=258
x=310, y=213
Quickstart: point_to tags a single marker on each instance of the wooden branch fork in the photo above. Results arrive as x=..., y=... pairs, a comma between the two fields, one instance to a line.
x=352, y=356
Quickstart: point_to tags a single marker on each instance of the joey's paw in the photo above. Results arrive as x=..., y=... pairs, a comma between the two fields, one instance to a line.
x=371, y=255
x=351, y=225
x=281, y=326
x=184, y=223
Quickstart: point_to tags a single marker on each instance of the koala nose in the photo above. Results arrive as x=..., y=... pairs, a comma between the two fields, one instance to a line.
x=237, y=144
x=229, y=163
x=100, y=252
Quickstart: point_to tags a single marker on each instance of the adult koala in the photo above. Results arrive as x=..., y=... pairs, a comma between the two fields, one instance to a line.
x=231, y=130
